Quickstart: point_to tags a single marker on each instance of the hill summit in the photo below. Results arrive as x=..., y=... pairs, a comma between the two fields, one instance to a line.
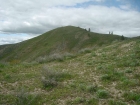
x=59, y=40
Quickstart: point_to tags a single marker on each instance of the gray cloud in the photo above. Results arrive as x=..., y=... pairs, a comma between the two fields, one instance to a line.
x=36, y=17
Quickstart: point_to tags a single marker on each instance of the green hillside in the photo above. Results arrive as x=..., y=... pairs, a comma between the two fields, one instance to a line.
x=105, y=75
x=64, y=39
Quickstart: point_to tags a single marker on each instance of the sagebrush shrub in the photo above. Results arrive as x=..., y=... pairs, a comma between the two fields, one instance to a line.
x=51, y=78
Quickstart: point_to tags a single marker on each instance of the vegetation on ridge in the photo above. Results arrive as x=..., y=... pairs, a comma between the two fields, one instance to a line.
x=108, y=75
x=60, y=40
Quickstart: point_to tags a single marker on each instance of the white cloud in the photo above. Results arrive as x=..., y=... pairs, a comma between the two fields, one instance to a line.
x=10, y=39
x=36, y=17
x=126, y=7
x=99, y=0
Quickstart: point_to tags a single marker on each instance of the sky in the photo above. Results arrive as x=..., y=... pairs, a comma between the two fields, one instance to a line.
x=24, y=19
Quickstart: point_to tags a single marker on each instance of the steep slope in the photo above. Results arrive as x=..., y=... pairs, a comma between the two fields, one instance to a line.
x=60, y=40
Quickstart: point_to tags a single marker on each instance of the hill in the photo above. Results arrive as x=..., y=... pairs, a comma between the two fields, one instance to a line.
x=60, y=40
x=106, y=75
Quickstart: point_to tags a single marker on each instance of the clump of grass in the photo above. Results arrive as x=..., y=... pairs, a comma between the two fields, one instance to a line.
x=49, y=83
x=51, y=78
x=137, y=50
x=131, y=96
x=50, y=58
x=92, y=101
x=89, y=63
x=100, y=67
x=127, y=83
x=93, y=54
x=28, y=65
x=113, y=102
x=55, y=56
x=2, y=65
x=91, y=88
x=7, y=77
x=111, y=75
x=103, y=55
x=137, y=76
x=103, y=94
x=68, y=55
x=128, y=71
x=84, y=51
x=41, y=59
x=82, y=86
x=129, y=62
x=24, y=98
x=106, y=77
x=83, y=101
x=7, y=99
x=77, y=100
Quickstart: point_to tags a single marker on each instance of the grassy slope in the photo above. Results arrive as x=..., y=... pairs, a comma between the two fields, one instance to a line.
x=63, y=39
x=108, y=75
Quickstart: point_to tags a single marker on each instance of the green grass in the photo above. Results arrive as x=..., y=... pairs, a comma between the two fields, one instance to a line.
x=113, y=102
x=109, y=74
x=83, y=101
x=131, y=96
x=103, y=94
x=23, y=97
x=91, y=88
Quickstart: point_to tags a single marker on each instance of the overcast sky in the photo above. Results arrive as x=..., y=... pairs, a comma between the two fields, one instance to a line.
x=24, y=19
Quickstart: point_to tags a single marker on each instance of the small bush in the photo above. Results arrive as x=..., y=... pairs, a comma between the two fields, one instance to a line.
x=102, y=94
x=49, y=83
x=51, y=78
